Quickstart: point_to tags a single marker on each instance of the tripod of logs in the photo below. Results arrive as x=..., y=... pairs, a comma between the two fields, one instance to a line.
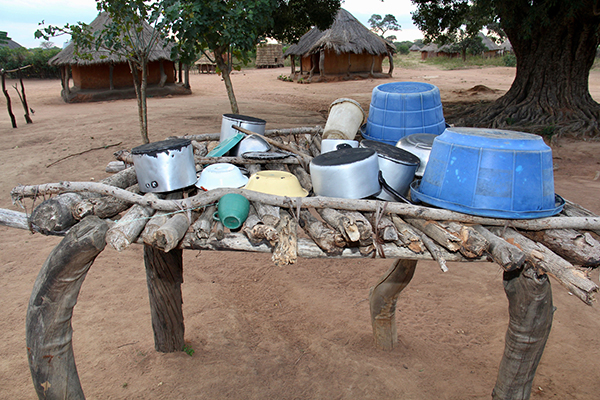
x=529, y=251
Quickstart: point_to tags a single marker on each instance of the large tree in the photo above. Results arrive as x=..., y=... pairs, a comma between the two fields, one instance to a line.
x=222, y=27
x=555, y=44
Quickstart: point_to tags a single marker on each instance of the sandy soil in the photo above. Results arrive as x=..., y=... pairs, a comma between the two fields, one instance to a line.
x=260, y=331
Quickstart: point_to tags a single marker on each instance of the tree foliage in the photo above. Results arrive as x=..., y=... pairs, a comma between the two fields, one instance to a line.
x=382, y=25
x=220, y=28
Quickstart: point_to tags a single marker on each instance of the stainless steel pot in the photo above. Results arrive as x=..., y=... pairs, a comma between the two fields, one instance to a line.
x=164, y=166
x=252, y=124
x=418, y=144
x=397, y=167
x=347, y=173
x=251, y=143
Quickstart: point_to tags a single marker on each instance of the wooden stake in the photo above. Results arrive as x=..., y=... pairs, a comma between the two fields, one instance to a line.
x=48, y=327
x=8, y=103
x=382, y=299
x=530, y=308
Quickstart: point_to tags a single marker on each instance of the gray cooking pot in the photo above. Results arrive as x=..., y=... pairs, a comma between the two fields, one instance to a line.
x=252, y=124
x=347, y=173
x=397, y=168
x=164, y=166
x=418, y=144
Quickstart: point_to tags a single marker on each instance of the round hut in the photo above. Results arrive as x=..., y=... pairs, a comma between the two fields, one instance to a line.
x=107, y=76
x=347, y=48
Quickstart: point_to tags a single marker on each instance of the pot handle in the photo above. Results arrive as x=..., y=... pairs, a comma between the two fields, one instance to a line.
x=343, y=146
x=391, y=190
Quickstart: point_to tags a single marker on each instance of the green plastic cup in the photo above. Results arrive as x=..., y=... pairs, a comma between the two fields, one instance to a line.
x=232, y=210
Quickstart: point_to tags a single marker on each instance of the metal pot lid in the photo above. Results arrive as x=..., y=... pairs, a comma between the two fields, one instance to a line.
x=164, y=146
x=419, y=140
x=343, y=157
x=245, y=118
x=392, y=153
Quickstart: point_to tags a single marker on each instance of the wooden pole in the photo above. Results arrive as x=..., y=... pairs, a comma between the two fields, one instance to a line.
x=530, y=308
x=164, y=276
x=383, y=297
x=54, y=295
x=8, y=104
x=24, y=98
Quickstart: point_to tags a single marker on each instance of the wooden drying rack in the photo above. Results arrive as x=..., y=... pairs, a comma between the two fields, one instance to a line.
x=313, y=227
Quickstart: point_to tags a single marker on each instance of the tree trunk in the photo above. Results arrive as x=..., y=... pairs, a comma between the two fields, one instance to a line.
x=225, y=70
x=140, y=91
x=555, y=45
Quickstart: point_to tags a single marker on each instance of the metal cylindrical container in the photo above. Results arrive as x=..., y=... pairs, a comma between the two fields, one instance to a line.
x=396, y=165
x=252, y=124
x=164, y=166
x=346, y=173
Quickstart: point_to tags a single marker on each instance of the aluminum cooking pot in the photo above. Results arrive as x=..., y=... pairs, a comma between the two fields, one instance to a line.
x=418, y=144
x=252, y=124
x=397, y=167
x=347, y=173
x=164, y=166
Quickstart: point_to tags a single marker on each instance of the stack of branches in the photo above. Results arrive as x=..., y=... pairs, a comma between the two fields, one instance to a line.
x=563, y=246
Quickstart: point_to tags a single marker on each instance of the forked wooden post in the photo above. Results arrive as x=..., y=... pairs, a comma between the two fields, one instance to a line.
x=164, y=275
x=54, y=295
x=383, y=297
x=531, y=311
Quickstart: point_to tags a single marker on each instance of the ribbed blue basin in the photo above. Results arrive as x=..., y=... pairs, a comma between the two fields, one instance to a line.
x=400, y=109
x=490, y=172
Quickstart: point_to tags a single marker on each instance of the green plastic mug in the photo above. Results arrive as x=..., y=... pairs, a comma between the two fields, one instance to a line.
x=232, y=210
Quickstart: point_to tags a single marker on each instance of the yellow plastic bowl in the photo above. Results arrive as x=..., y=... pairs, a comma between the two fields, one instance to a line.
x=279, y=183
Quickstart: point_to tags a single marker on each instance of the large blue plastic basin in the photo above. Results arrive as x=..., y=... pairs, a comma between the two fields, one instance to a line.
x=400, y=109
x=490, y=172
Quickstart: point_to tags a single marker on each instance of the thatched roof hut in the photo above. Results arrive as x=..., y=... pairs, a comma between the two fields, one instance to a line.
x=346, y=48
x=105, y=75
x=269, y=55
x=429, y=51
x=414, y=47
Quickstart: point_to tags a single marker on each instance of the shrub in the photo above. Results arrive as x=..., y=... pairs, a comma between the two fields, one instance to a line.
x=37, y=58
x=509, y=60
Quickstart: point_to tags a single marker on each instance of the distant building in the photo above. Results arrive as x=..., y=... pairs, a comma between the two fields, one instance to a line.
x=346, y=49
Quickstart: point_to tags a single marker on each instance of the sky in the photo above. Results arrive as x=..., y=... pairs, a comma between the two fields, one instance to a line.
x=20, y=18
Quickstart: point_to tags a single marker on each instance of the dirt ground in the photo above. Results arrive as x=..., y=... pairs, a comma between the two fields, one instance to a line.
x=260, y=331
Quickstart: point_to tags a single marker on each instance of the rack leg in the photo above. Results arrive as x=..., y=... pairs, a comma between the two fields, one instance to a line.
x=530, y=308
x=54, y=295
x=164, y=276
x=383, y=297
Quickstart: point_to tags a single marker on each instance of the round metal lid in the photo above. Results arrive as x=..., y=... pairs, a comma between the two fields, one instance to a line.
x=343, y=157
x=245, y=118
x=163, y=146
x=390, y=152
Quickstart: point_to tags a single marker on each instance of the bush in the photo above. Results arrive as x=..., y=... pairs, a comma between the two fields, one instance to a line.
x=509, y=60
x=37, y=58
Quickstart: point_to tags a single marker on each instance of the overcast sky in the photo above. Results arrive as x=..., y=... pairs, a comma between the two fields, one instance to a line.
x=20, y=18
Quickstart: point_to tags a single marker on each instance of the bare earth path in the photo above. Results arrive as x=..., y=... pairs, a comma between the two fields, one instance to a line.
x=260, y=331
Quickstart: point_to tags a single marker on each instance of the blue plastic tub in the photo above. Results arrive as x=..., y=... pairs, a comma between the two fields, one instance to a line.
x=400, y=109
x=490, y=172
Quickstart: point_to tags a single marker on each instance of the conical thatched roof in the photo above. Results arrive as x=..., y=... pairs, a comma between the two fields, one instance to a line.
x=346, y=35
x=487, y=42
x=67, y=55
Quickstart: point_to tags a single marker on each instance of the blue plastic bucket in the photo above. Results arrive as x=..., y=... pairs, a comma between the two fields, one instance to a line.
x=400, y=109
x=490, y=172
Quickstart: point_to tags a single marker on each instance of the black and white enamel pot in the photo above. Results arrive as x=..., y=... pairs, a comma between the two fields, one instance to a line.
x=350, y=173
x=397, y=167
x=164, y=166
